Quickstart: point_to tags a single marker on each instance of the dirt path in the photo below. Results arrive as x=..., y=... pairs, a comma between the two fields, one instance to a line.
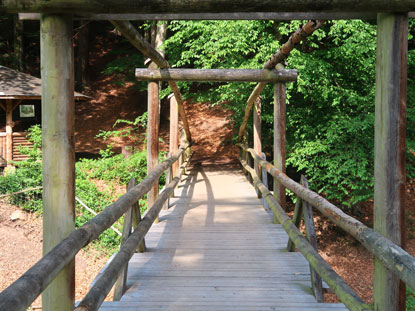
x=21, y=247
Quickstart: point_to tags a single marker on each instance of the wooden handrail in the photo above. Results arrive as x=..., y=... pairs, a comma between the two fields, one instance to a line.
x=20, y=294
x=340, y=288
x=103, y=285
x=391, y=255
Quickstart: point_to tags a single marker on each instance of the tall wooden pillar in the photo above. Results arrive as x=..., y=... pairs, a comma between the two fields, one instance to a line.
x=152, y=135
x=257, y=137
x=174, y=132
x=391, y=76
x=9, y=131
x=279, y=139
x=58, y=150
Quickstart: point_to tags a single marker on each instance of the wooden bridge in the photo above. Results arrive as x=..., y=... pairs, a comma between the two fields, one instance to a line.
x=216, y=248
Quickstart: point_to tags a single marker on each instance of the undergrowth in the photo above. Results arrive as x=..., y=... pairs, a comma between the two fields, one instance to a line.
x=99, y=182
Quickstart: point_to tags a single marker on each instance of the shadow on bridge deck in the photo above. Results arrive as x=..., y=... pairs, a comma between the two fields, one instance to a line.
x=217, y=249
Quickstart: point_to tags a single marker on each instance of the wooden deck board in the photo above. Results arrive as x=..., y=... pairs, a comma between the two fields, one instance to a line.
x=217, y=249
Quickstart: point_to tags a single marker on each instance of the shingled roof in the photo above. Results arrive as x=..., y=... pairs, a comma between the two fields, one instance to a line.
x=18, y=85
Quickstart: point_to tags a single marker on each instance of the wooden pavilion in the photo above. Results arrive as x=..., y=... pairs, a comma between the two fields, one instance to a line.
x=23, y=91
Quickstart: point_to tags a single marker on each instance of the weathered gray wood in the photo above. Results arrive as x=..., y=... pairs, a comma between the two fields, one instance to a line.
x=9, y=131
x=132, y=35
x=316, y=282
x=391, y=255
x=103, y=285
x=222, y=305
x=257, y=137
x=58, y=150
x=211, y=6
x=279, y=139
x=298, y=213
x=389, y=220
x=20, y=294
x=213, y=258
x=276, y=16
x=342, y=290
x=216, y=75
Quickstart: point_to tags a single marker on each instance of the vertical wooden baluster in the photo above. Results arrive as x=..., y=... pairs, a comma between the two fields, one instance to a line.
x=265, y=182
x=316, y=282
x=298, y=213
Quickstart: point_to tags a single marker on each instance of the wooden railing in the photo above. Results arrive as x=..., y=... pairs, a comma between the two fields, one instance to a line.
x=20, y=294
x=391, y=255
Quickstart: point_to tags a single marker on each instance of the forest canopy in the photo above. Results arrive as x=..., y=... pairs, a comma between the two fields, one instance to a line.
x=330, y=109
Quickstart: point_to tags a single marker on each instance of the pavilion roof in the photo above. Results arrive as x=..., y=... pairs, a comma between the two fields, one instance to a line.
x=19, y=85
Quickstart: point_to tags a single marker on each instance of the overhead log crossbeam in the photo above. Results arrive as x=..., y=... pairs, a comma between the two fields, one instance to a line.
x=216, y=75
x=276, y=16
x=208, y=6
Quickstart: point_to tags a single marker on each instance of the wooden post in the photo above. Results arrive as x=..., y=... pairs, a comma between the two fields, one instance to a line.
x=390, y=114
x=257, y=138
x=174, y=131
x=152, y=136
x=9, y=131
x=279, y=139
x=58, y=112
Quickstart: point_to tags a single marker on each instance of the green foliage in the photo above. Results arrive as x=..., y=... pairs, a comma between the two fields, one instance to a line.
x=98, y=183
x=410, y=299
x=133, y=130
x=330, y=109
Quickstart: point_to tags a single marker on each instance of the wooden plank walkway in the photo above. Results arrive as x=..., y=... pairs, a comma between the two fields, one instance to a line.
x=217, y=249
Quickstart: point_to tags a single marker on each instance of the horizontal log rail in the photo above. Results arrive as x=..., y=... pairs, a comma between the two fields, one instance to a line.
x=103, y=285
x=206, y=6
x=336, y=283
x=216, y=75
x=391, y=255
x=19, y=295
